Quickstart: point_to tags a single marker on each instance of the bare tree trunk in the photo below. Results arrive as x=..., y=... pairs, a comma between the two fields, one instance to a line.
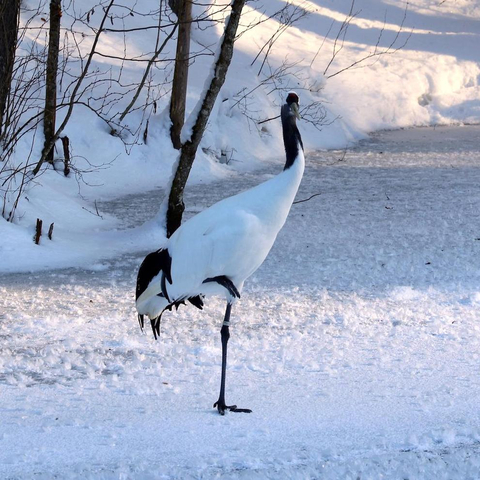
x=73, y=97
x=175, y=6
x=9, y=15
x=51, y=77
x=189, y=148
x=38, y=231
x=180, y=74
x=66, y=155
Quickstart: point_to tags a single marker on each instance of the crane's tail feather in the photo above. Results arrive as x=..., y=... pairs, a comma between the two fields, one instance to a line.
x=197, y=301
x=141, y=321
x=177, y=304
x=155, y=322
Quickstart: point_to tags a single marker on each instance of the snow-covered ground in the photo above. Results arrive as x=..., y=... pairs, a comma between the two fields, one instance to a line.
x=356, y=344
x=432, y=79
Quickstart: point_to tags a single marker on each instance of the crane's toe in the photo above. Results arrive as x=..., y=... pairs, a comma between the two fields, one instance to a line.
x=221, y=407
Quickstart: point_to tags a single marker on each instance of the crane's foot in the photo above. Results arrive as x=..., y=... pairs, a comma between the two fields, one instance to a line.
x=221, y=407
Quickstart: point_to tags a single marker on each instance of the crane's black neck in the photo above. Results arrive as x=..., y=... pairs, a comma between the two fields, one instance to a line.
x=291, y=136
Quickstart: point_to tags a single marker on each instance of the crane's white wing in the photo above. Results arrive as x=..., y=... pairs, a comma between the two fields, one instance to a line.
x=214, y=243
x=233, y=237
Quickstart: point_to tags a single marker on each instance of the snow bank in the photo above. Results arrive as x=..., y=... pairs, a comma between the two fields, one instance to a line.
x=431, y=79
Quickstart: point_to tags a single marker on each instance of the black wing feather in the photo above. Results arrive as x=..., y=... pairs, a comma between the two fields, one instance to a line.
x=225, y=282
x=196, y=301
x=152, y=265
x=155, y=322
x=161, y=262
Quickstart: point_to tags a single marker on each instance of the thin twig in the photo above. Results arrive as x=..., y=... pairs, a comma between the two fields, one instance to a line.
x=145, y=75
x=268, y=120
x=307, y=199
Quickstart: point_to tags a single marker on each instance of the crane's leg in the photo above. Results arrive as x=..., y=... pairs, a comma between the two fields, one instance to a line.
x=225, y=334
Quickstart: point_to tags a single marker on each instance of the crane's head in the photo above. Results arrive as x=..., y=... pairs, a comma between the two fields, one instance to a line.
x=291, y=136
x=293, y=101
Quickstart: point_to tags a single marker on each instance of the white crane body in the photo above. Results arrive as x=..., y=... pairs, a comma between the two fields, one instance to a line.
x=231, y=238
x=214, y=252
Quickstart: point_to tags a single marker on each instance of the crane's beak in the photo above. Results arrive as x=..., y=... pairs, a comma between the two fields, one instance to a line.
x=294, y=107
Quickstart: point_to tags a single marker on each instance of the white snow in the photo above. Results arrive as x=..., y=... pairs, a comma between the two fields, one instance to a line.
x=355, y=345
x=431, y=80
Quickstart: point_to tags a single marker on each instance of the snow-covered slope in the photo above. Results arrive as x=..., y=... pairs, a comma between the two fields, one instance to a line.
x=431, y=79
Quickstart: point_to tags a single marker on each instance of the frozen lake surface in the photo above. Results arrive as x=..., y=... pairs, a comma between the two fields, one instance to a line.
x=356, y=344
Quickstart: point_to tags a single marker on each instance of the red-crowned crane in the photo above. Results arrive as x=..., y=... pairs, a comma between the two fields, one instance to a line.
x=214, y=252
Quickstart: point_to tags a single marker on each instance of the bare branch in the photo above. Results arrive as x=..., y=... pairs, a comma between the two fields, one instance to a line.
x=145, y=75
x=75, y=90
x=376, y=54
x=307, y=199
